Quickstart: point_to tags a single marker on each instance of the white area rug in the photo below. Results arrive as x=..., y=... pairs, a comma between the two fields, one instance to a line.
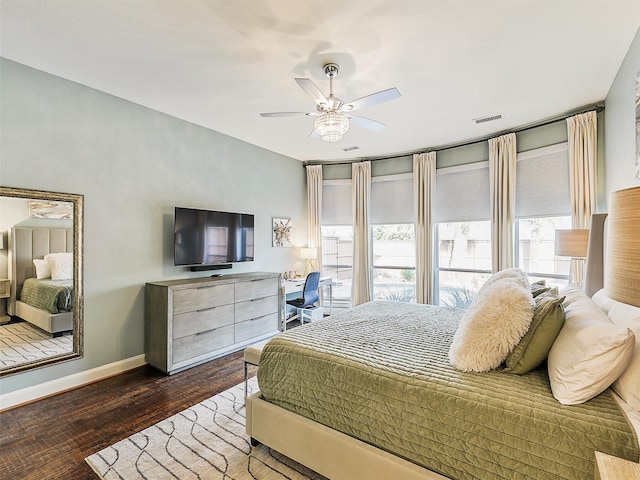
x=207, y=441
x=22, y=343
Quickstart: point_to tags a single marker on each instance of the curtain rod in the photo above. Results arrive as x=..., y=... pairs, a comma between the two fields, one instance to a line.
x=598, y=107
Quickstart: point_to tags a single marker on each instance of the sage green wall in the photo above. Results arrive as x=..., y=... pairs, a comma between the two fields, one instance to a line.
x=543, y=136
x=133, y=165
x=620, y=123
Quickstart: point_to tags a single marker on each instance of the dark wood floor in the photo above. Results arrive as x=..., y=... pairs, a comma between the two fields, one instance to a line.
x=49, y=439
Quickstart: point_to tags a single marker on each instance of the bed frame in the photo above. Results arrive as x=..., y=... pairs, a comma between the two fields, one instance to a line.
x=339, y=456
x=26, y=245
x=324, y=450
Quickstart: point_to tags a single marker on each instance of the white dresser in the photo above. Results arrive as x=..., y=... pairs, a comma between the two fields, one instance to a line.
x=191, y=321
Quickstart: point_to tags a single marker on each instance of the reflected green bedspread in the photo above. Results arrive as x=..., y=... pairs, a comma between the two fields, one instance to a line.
x=53, y=296
x=380, y=372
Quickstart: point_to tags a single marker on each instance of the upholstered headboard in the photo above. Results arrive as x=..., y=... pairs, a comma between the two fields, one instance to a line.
x=594, y=272
x=613, y=260
x=25, y=245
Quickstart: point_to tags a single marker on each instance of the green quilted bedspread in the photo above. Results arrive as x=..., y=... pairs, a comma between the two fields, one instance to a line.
x=380, y=373
x=53, y=296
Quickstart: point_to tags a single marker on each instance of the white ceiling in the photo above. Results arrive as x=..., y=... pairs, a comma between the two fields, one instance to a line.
x=220, y=63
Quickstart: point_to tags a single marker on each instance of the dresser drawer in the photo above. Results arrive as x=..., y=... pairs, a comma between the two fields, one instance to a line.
x=190, y=323
x=256, y=308
x=256, y=289
x=199, y=298
x=256, y=327
x=201, y=343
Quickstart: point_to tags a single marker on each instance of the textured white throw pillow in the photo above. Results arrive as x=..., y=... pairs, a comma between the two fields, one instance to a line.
x=515, y=274
x=42, y=269
x=61, y=265
x=589, y=353
x=492, y=326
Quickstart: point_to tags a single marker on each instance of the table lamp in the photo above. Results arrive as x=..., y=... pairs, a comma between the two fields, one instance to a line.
x=573, y=243
x=308, y=254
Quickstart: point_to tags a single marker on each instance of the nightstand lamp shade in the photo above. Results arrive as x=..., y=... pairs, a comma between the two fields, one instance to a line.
x=308, y=254
x=572, y=243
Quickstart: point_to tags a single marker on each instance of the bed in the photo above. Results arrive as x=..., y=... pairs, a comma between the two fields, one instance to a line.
x=37, y=303
x=356, y=396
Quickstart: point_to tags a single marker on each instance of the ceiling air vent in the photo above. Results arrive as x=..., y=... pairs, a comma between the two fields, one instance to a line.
x=490, y=118
x=349, y=149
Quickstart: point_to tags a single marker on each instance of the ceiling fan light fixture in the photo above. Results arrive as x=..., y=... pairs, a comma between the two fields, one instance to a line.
x=331, y=126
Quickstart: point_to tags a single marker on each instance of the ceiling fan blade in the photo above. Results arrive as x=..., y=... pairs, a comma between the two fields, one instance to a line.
x=371, y=100
x=285, y=114
x=313, y=91
x=366, y=123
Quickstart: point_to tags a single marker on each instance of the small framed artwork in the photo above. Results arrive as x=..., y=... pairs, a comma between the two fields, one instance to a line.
x=50, y=209
x=281, y=232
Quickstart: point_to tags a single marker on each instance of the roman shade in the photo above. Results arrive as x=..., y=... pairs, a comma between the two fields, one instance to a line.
x=542, y=183
x=462, y=193
x=392, y=199
x=336, y=202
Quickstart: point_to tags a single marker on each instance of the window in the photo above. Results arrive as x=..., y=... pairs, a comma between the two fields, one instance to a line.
x=536, y=249
x=337, y=261
x=394, y=262
x=463, y=233
x=463, y=261
x=337, y=238
x=393, y=239
x=542, y=207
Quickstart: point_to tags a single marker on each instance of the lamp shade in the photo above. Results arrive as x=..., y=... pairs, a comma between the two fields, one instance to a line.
x=308, y=253
x=572, y=243
x=622, y=280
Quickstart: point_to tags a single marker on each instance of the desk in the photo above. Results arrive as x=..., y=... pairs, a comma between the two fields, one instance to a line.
x=295, y=286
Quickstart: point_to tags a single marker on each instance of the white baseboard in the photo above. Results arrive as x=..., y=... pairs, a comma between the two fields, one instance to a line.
x=59, y=385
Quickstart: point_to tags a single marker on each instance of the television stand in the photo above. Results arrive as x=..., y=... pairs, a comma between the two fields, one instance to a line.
x=193, y=320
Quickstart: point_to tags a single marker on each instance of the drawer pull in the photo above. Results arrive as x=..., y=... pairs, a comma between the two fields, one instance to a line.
x=207, y=331
x=206, y=309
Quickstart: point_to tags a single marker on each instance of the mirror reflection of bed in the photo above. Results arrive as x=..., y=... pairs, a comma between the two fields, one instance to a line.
x=41, y=301
x=40, y=265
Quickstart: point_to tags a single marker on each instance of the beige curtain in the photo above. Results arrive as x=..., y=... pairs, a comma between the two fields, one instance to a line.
x=582, y=132
x=502, y=186
x=424, y=182
x=314, y=212
x=361, y=192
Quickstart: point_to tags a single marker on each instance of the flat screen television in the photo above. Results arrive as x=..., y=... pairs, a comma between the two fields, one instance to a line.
x=209, y=238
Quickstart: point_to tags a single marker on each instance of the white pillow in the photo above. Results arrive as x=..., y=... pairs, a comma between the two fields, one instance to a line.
x=61, y=265
x=492, y=326
x=605, y=303
x=589, y=353
x=42, y=269
x=571, y=293
x=628, y=383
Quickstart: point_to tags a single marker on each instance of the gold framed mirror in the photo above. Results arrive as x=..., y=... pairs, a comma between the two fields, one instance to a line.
x=42, y=248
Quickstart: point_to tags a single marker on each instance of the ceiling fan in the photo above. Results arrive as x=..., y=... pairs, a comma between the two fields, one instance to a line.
x=333, y=115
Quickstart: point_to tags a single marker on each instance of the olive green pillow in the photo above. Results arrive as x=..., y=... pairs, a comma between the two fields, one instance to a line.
x=534, y=347
x=538, y=288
